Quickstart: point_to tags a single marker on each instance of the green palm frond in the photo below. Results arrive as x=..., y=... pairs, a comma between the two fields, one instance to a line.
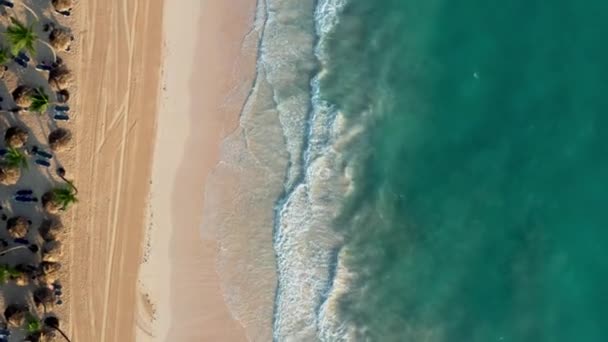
x=65, y=197
x=40, y=101
x=7, y=272
x=5, y=56
x=15, y=158
x=34, y=325
x=21, y=37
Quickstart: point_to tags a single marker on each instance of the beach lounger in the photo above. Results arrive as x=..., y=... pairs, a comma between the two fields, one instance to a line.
x=62, y=108
x=43, y=67
x=21, y=62
x=42, y=162
x=7, y=4
x=24, y=57
x=24, y=192
x=25, y=198
x=61, y=117
x=44, y=154
x=21, y=241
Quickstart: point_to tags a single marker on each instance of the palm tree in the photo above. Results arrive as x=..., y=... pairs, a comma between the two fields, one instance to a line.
x=21, y=37
x=7, y=273
x=10, y=166
x=14, y=158
x=34, y=326
x=40, y=101
x=5, y=56
x=59, y=199
x=53, y=323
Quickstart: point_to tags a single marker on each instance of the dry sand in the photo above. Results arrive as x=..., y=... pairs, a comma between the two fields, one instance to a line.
x=209, y=65
x=118, y=67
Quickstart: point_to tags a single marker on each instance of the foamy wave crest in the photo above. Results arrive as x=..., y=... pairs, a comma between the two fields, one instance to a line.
x=305, y=242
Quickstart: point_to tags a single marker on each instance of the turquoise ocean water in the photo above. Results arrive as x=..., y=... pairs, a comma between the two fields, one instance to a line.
x=478, y=206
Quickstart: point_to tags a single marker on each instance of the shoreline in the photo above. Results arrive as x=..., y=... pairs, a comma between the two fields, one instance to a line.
x=199, y=106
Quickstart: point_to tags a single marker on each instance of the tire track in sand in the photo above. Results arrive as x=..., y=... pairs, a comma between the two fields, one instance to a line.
x=117, y=75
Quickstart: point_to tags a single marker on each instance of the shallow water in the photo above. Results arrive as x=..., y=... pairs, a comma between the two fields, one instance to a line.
x=420, y=171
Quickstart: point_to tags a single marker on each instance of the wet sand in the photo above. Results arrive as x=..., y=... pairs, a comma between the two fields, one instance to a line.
x=209, y=65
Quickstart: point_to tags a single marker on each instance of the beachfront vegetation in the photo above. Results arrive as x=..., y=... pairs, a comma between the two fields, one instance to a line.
x=21, y=37
x=5, y=56
x=41, y=274
x=14, y=158
x=40, y=101
x=59, y=199
x=7, y=273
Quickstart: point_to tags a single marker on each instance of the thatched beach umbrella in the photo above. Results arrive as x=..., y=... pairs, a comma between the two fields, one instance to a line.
x=23, y=279
x=60, y=78
x=59, y=139
x=16, y=136
x=18, y=226
x=15, y=314
x=63, y=5
x=49, y=267
x=52, y=251
x=50, y=229
x=61, y=39
x=23, y=96
x=9, y=175
x=44, y=298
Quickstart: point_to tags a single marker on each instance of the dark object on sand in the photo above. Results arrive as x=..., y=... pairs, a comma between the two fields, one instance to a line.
x=25, y=199
x=21, y=241
x=43, y=67
x=44, y=154
x=7, y=4
x=61, y=117
x=63, y=96
x=42, y=162
x=24, y=57
x=20, y=61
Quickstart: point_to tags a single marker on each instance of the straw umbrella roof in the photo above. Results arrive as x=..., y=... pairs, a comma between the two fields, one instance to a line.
x=23, y=96
x=44, y=297
x=18, y=226
x=52, y=251
x=9, y=175
x=50, y=229
x=49, y=267
x=59, y=139
x=60, y=78
x=61, y=39
x=15, y=314
x=16, y=136
x=63, y=5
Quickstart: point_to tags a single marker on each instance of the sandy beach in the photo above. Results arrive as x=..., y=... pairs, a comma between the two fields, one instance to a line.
x=117, y=64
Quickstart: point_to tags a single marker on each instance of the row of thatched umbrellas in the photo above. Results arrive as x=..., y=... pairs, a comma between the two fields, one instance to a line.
x=41, y=276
